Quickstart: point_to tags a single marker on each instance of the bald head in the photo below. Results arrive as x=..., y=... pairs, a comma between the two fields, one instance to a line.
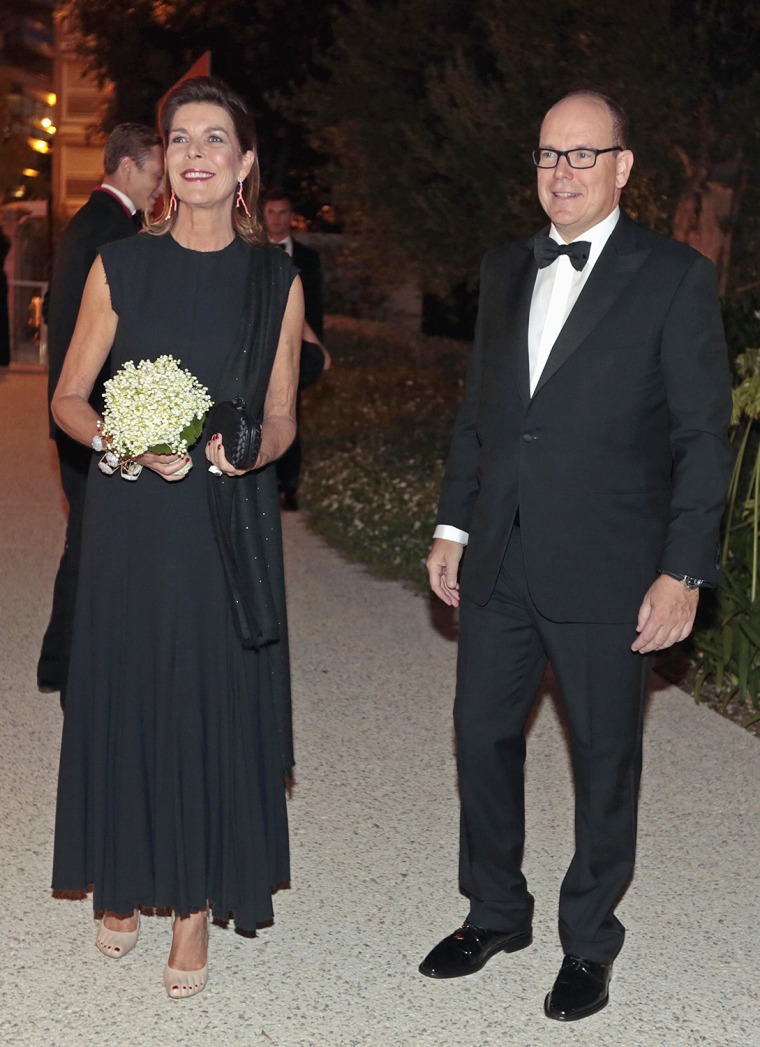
x=576, y=199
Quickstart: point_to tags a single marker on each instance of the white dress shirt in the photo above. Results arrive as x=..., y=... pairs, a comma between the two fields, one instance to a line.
x=287, y=243
x=555, y=292
x=122, y=197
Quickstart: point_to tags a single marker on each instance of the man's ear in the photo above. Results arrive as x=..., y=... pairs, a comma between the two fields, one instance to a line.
x=623, y=169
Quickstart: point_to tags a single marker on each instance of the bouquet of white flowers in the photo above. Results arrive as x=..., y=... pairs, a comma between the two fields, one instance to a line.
x=150, y=406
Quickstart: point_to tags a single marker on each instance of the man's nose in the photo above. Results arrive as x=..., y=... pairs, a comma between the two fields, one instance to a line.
x=563, y=168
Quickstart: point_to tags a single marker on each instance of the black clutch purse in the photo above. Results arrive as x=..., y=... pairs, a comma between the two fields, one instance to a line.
x=240, y=432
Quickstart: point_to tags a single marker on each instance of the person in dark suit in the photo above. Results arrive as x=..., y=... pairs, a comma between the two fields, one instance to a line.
x=586, y=477
x=278, y=218
x=134, y=168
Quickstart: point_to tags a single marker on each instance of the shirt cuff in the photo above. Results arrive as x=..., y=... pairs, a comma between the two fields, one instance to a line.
x=451, y=534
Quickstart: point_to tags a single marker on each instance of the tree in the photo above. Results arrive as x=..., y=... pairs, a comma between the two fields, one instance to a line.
x=260, y=47
x=717, y=209
x=431, y=109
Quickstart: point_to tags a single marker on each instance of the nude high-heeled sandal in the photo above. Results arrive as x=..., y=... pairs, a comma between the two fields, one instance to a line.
x=181, y=985
x=117, y=943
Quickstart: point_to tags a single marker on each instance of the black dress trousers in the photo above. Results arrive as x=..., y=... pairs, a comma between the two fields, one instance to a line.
x=503, y=650
x=53, y=665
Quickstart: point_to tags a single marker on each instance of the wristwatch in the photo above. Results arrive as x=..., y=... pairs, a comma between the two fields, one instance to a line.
x=688, y=582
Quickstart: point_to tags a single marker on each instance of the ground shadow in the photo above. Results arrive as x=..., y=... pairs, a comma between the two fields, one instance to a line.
x=443, y=619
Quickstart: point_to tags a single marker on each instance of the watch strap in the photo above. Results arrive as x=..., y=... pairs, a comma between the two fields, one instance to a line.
x=686, y=580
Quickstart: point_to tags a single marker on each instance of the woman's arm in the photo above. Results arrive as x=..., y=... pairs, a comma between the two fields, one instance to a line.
x=90, y=345
x=278, y=427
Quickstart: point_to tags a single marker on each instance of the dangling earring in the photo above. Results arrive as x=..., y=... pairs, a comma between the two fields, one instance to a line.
x=172, y=205
x=240, y=201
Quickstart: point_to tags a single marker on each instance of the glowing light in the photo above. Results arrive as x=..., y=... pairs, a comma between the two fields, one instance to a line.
x=46, y=122
x=29, y=172
x=39, y=146
x=51, y=99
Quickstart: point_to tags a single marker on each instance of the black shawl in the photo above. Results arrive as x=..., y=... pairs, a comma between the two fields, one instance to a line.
x=245, y=510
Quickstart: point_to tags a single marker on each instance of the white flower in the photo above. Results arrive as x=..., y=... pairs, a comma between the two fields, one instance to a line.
x=153, y=406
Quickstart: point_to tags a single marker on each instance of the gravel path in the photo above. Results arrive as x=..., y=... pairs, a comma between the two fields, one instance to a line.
x=374, y=831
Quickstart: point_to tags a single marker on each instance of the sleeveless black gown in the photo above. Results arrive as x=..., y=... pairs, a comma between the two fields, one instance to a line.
x=171, y=787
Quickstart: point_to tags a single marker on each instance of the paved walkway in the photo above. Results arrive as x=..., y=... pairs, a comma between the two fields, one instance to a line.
x=374, y=829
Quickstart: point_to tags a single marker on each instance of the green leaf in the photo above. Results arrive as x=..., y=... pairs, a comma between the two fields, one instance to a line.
x=743, y=666
x=699, y=680
x=728, y=645
x=191, y=433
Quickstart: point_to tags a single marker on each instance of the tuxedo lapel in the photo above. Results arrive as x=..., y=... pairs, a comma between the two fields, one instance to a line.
x=518, y=316
x=618, y=263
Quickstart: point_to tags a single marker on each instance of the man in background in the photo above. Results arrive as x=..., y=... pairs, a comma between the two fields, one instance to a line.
x=278, y=218
x=134, y=170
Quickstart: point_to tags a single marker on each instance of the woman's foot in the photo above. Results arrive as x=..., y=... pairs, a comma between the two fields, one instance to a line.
x=117, y=935
x=186, y=973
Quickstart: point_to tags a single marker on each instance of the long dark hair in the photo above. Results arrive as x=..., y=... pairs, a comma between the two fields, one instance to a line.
x=212, y=90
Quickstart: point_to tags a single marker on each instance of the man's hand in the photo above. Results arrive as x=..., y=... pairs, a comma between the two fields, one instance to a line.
x=666, y=615
x=443, y=567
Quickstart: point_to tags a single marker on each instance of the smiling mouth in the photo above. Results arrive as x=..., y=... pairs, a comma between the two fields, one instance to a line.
x=566, y=196
x=197, y=176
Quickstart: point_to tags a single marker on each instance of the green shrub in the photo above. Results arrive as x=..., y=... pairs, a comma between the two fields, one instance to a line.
x=376, y=431
x=728, y=646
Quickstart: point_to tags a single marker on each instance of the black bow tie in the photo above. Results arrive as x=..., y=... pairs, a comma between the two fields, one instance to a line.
x=547, y=251
x=282, y=247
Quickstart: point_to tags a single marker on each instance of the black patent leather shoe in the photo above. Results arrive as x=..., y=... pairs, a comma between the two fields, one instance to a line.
x=469, y=948
x=581, y=989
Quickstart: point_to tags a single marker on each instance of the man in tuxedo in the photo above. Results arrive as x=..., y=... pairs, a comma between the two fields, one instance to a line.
x=278, y=218
x=134, y=169
x=586, y=477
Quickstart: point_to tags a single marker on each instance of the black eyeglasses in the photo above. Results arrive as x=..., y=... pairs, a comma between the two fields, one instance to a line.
x=578, y=158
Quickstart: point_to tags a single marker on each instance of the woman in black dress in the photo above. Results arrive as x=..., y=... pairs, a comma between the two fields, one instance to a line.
x=176, y=740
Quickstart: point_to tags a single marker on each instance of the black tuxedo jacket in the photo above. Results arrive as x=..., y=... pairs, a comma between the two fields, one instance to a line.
x=310, y=269
x=619, y=462
x=100, y=221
